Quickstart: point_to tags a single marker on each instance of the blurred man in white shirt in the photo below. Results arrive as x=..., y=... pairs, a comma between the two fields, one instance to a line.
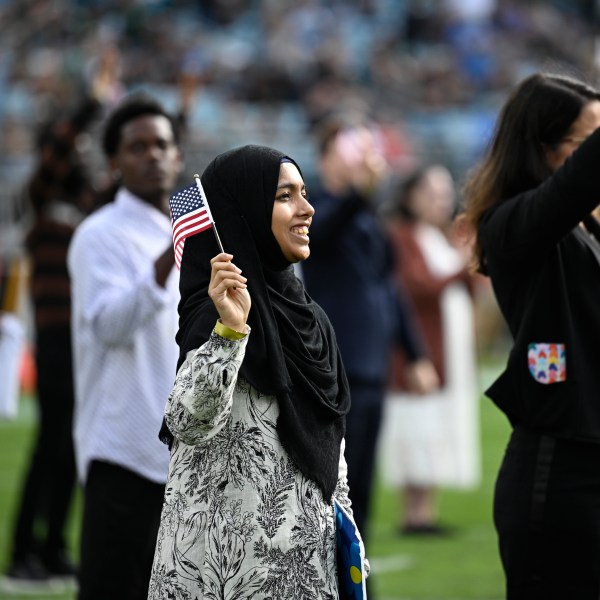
x=125, y=294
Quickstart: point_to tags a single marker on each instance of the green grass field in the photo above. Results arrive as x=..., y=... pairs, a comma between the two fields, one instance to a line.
x=460, y=567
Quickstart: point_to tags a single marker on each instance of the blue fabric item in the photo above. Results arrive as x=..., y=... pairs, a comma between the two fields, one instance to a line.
x=350, y=557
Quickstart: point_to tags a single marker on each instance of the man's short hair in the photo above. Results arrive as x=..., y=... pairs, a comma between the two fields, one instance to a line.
x=134, y=106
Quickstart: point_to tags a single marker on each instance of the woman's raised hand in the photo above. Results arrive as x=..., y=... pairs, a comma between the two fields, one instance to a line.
x=228, y=291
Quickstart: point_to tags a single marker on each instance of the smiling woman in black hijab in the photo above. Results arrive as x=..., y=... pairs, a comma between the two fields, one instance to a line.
x=256, y=417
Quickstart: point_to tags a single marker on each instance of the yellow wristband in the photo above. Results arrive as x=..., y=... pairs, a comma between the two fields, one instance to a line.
x=228, y=333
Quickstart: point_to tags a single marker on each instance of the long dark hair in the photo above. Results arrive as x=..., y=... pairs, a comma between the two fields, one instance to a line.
x=537, y=116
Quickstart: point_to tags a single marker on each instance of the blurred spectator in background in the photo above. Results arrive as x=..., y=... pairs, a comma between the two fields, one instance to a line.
x=431, y=440
x=269, y=69
x=60, y=195
x=125, y=294
x=12, y=338
x=351, y=259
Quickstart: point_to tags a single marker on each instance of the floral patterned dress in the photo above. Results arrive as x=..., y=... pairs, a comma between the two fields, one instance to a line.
x=239, y=520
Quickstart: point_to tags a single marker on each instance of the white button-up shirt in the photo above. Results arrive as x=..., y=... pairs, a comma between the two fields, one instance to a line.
x=124, y=327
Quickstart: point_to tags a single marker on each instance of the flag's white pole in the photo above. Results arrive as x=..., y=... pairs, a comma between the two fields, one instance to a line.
x=203, y=195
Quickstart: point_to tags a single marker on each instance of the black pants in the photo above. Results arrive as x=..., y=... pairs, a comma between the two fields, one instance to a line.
x=50, y=481
x=547, y=514
x=121, y=517
x=362, y=430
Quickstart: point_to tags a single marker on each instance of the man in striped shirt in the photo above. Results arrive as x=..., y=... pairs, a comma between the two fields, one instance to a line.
x=60, y=193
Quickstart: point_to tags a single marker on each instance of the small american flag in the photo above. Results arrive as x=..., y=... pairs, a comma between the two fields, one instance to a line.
x=190, y=215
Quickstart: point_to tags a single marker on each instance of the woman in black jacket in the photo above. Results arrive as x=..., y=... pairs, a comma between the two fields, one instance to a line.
x=531, y=203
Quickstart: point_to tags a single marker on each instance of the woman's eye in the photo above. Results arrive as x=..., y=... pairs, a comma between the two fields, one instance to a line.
x=284, y=196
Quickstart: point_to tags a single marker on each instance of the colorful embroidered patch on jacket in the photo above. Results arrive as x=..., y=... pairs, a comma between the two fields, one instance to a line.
x=547, y=362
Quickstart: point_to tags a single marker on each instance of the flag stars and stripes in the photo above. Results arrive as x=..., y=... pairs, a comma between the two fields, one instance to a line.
x=189, y=215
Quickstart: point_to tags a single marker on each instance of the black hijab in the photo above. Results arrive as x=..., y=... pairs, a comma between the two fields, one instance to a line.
x=292, y=352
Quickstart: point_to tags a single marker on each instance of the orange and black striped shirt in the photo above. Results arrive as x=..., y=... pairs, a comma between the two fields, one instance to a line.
x=48, y=243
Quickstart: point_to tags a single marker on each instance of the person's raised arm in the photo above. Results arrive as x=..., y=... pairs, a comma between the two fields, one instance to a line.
x=544, y=215
x=229, y=293
x=349, y=182
x=201, y=401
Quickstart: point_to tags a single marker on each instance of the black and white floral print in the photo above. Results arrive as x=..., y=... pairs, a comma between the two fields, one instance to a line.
x=239, y=520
